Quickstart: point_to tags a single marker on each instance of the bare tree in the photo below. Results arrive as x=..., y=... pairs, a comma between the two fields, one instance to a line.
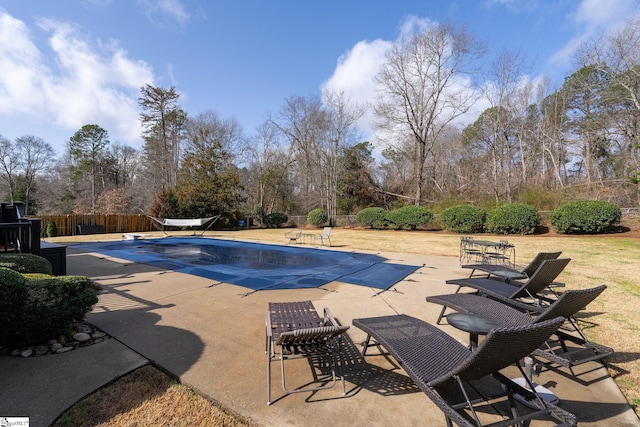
x=268, y=173
x=303, y=121
x=616, y=54
x=35, y=157
x=342, y=134
x=424, y=89
x=9, y=159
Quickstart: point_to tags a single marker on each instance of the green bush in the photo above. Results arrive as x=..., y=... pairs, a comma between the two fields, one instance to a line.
x=372, y=218
x=25, y=263
x=52, y=229
x=36, y=306
x=585, y=216
x=274, y=220
x=53, y=304
x=464, y=219
x=513, y=218
x=317, y=217
x=409, y=217
x=13, y=294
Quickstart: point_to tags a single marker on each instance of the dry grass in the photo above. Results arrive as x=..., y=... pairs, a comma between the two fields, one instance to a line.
x=610, y=320
x=147, y=397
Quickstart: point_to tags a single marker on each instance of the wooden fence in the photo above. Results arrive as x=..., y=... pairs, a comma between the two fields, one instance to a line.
x=67, y=225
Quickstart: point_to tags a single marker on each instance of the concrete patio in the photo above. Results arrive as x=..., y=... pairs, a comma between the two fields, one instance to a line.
x=211, y=336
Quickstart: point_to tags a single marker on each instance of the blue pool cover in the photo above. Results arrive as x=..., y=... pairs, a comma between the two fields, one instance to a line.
x=254, y=265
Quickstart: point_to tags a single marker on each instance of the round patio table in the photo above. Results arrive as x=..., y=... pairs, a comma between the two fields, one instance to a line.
x=472, y=323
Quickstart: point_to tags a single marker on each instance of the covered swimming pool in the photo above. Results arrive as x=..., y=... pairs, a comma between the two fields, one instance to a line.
x=254, y=265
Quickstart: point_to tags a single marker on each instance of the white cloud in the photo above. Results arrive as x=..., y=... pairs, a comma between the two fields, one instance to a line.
x=164, y=12
x=82, y=83
x=355, y=76
x=590, y=19
x=21, y=65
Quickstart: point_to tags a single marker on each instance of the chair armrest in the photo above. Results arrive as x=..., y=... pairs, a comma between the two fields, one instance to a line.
x=328, y=318
x=268, y=325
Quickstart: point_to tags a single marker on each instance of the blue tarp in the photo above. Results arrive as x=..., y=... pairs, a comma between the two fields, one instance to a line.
x=254, y=265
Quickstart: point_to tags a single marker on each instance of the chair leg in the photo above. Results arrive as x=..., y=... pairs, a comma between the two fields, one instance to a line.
x=269, y=378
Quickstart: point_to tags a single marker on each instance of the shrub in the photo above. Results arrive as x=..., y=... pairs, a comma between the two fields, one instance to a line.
x=25, y=263
x=464, y=219
x=53, y=304
x=513, y=218
x=13, y=294
x=52, y=229
x=585, y=216
x=317, y=217
x=409, y=217
x=274, y=220
x=372, y=218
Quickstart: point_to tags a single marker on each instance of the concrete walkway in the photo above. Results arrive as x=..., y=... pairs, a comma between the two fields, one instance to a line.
x=212, y=337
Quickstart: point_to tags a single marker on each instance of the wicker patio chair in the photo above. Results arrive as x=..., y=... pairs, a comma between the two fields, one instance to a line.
x=507, y=273
x=538, y=288
x=568, y=347
x=444, y=369
x=294, y=330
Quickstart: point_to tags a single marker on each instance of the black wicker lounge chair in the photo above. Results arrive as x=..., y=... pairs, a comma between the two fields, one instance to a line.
x=453, y=376
x=506, y=273
x=294, y=330
x=568, y=348
x=512, y=293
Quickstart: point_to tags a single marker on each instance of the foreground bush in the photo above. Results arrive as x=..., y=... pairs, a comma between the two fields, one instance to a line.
x=513, y=218
x=464, y=219
x=36, y=306
x=586, y=216
x=409, y=217
x=13, y=294
x=317, y=217
x=372, y=218
x=25, y=263
x=53, y=303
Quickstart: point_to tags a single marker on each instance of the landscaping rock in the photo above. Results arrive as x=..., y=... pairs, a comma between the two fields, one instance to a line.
x=82, y=337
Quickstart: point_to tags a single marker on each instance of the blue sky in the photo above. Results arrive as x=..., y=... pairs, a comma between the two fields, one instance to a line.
x=67, y=63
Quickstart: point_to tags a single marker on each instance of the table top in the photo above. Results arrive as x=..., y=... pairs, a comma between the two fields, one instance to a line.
x=487, y=243
x=472, y=323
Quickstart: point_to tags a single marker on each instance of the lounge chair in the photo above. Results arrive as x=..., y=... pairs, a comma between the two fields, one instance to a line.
x=569, y=348
x=506, y=273
x=294, y=330
x=442, y=367
x=325, y=235
x=512, y=293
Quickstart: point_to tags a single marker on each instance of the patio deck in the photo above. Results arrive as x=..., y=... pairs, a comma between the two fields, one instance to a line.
x=211, y=336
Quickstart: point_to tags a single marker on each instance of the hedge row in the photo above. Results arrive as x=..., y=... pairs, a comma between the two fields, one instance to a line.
x=585, y=216
x=405, y=218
